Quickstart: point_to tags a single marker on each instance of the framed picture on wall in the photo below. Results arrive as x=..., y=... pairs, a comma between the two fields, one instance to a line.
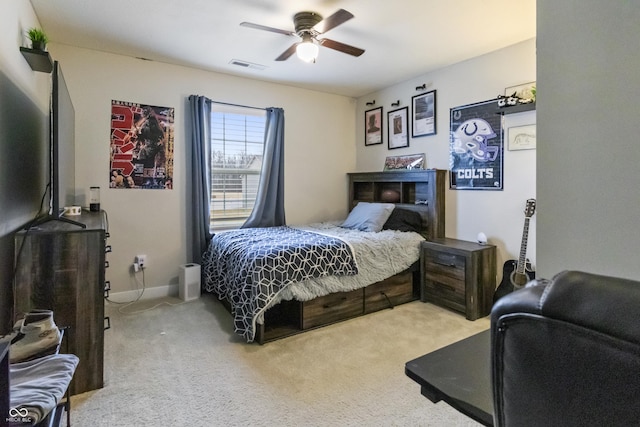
x=522, y=137
x=373, y=126
x=525, y=91
x=397, y=128
x=423, y=114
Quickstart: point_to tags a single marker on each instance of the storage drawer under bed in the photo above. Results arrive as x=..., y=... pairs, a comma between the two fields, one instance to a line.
x=393, y=291
x=332, y=308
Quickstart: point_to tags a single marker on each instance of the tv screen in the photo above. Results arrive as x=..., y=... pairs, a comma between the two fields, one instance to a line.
x=63, y=190
x=24, y=160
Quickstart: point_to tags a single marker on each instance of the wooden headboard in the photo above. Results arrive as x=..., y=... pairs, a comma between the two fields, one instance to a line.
x=418, y=190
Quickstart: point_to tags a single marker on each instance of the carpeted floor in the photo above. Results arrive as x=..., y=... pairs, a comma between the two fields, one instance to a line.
x=181, y=365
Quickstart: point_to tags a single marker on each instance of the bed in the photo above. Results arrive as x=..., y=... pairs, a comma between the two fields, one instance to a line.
x=279, y=281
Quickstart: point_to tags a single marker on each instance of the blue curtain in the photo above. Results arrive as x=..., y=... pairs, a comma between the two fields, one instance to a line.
x=200, y=154
x=268, y=210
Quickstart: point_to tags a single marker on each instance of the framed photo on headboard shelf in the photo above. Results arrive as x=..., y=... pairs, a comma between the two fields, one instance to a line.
x=406, y=162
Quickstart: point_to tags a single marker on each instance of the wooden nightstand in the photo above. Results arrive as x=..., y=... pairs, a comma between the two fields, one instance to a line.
x=459, y=275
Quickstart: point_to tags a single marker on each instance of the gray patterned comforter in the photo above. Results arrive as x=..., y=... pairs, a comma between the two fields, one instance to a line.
x=249, y=267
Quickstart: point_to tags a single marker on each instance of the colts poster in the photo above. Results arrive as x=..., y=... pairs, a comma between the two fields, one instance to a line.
x=141, y=146
x=476, y=147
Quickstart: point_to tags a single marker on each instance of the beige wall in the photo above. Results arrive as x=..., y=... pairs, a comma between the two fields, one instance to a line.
x=319, y=151
x=499, y=214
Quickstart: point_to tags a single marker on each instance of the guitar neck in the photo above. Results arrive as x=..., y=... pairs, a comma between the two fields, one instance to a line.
x=523, y=248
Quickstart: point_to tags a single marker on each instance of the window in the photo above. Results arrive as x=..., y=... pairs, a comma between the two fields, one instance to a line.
x=237, y=143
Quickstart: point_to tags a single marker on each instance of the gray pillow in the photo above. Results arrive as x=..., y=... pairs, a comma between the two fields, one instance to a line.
x=368, y=216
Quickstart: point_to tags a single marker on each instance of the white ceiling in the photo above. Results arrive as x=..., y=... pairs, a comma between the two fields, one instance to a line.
x=403, y=39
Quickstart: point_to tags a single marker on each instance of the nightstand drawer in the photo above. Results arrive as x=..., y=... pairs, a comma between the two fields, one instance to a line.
x=439, y=264
x=450, y=291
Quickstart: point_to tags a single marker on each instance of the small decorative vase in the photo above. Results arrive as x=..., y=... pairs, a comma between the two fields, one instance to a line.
x=38, y=46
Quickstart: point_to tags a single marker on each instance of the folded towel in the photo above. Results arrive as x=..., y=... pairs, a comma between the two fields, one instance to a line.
x=38, y=385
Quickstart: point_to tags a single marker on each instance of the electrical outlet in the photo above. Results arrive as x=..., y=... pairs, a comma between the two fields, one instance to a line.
x=141, y=260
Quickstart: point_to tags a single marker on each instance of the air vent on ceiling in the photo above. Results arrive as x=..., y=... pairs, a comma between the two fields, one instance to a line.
x=246, y=64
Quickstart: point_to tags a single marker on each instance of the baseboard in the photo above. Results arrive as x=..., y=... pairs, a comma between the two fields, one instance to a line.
x=149, y=293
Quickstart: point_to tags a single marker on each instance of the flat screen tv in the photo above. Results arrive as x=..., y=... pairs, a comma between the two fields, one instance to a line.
x=63, y=188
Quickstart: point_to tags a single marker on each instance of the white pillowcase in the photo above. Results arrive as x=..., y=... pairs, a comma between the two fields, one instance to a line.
x=368, y=216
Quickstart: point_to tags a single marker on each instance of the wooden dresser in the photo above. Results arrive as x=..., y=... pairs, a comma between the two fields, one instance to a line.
x=61, y=267
x=459, y=275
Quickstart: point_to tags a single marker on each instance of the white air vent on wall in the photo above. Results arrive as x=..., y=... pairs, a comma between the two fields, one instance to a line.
x=246, y=64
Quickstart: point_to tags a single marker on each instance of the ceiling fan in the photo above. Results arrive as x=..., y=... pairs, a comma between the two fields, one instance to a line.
x=308, y=26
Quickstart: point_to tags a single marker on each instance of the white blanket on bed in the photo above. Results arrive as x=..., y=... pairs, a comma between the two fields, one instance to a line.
x=379, y=256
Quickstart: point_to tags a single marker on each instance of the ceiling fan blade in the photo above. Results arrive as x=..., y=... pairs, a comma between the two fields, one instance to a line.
x=340, y=17
x=265, y=28
x=341, y=47
x=287, y=53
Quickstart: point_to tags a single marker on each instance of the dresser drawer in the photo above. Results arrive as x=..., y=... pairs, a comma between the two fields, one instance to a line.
x=332, y=308
x=388, y=293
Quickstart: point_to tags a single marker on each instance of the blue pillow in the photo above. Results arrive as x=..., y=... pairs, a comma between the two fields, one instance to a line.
x=368, y=216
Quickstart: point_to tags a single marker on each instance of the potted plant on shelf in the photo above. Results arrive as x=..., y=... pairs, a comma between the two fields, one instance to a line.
x=38, y=39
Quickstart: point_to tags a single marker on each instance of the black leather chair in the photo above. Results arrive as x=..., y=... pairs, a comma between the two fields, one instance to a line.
x=566, y=352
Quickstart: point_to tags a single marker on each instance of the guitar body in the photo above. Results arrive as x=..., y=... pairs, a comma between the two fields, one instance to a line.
x=512, y=280
x=515, y=274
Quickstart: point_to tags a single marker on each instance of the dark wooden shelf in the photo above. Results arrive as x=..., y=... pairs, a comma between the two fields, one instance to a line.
x=39, y=60
x=520, y=108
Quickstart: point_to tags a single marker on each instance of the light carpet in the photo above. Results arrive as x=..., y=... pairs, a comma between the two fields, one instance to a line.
x=181, y=365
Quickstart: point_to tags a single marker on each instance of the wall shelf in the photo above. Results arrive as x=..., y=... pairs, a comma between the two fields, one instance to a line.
x=520, y=108
x=39, y=60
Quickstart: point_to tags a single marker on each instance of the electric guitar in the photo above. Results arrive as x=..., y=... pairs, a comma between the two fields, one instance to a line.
x=516, y=274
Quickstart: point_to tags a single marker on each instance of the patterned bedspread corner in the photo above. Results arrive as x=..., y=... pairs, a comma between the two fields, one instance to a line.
x=249, y=267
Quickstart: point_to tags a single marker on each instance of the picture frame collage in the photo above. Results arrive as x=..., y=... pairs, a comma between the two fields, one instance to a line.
x=476, y=168
x=423, y=122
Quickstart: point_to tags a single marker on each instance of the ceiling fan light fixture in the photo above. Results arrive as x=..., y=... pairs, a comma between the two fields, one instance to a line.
x=308, y=26
x=307, y=51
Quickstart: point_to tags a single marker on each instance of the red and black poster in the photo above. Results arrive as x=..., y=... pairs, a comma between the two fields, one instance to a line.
x=141, y=146
x=476, y=147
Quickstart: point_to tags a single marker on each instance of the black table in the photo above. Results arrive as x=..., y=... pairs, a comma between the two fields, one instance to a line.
x=460, y=375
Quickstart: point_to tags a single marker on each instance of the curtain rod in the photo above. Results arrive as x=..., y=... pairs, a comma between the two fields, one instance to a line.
x=237, y=105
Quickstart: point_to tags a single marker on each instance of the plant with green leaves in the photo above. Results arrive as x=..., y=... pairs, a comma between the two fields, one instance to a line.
x=38, y=38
